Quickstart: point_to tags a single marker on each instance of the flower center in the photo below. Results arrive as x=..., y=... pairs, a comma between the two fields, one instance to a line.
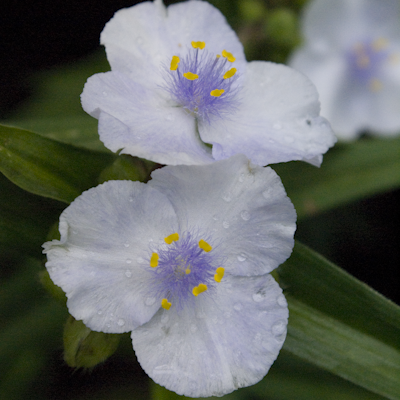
x=366, y=60
x=183, y=269
x=201, y=82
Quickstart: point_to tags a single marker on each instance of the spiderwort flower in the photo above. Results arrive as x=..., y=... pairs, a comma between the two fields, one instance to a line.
x=183, y=262
x=179, y=84
x=352, y=54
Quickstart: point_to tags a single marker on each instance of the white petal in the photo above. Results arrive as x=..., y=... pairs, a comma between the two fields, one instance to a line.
x=141, y=38
x=243, y=208
x=229, y=341
x=277, y=120
x=140, y=122
x=106, y=235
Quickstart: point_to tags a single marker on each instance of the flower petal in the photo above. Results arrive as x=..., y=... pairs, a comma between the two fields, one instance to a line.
x=229, y=341
x=243, y=208
x=105, y=237
x=140, y=122
x=141, y=38
x=279, y=113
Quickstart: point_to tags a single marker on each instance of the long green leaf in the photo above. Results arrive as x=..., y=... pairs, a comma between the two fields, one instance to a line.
x=340, y=324
x=49, y=168
x=348, y=173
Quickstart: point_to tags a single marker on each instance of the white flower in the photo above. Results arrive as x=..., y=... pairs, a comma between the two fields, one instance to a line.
x=180, y=81
x=352, y=54
x=185, y=268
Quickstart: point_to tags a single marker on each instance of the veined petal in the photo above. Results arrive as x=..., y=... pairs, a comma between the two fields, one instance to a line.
x=98, y=262
x=279, y=113
x=242, y=206
x=139, y=121
x=226, y=342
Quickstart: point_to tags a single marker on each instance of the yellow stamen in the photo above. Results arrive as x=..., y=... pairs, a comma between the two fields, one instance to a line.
x=174, y=237
x=228, y=56
x=375, y=85
x=219, y=274
x=205, y=246
x=188, y=271
x=380, y=44
x=165, y=304
x=190, y=76
x=230, y=73
x=217, y=92
x=218, y=55
x=199, y=289
x=174, y=63
x=199, y=45
x=154, y=260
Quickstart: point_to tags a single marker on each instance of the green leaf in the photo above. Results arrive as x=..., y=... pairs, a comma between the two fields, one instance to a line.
x=348, y=173
x=340, y=324
x=49, y=168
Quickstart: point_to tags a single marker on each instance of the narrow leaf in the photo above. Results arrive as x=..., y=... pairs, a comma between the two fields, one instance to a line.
x=46, y=167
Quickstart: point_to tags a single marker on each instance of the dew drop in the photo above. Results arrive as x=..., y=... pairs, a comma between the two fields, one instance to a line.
x=126, y=244
x=169, y=117
x=99, y=312
x=238, y=306
x=150, y=301
x=104, y=93
x=215, y=218
x=121, y=322
x=271, y=141
x=140, y=260
x=281, y=300
x=130, y=199
x=193, y=328
x=225, y=224
x=241, y=257
x=227, y=197
x=267, y=193
x=241, y=177
x=245, y=215
x=279, y=330
x=108, y=325
x=260, y=295
x=128, y=261
x=128, y=273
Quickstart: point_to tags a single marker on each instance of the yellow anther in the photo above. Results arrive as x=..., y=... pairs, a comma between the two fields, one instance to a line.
x=174, y=237
x=205, y=246
x=379, y=44
x=219, y=274
x=174, y=63
x=190, y=76
x=165, y=304
x=188, y=271
x=363, y=61
x=199, y=289
x=217, y=92
x=375, y=85
x=230, y=73
x=154, y=260
x=228, y=56
x=199, y=45
x=218, y=55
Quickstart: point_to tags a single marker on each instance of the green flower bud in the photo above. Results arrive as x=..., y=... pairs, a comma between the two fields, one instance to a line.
x=84, y=348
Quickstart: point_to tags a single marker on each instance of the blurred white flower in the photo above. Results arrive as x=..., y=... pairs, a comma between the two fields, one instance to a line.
x=352, y=54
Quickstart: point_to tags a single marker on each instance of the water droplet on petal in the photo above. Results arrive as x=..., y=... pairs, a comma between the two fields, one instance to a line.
x=225, y=224
x=281, y=300
x=126, y=244
x=267, y=193
x=128, y=261
x=245, y=215
x=140, y=260
x=215, y=218
x=104, y=93
x=193, y=328
x=238, y=306
x=241, y=257
x=128, y=273
x=150, y=301
x=169, y=117
x=99, y=312
x=241, y=177
x=130, y=199
x=279, y=330
x=227, y=197
x=121, y=322
x=260, y=295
